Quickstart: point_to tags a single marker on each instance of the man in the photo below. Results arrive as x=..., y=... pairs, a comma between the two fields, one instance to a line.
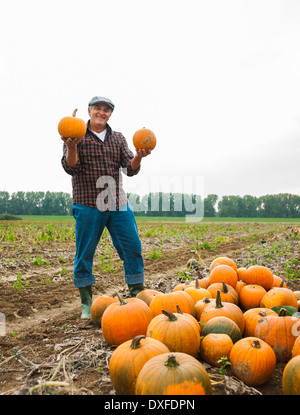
x=99, y=201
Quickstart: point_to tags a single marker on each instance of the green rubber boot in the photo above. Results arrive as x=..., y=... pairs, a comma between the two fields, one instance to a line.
x=86, y=301
x=134, y=289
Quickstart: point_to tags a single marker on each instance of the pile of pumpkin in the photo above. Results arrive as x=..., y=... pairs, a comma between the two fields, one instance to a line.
x=245, y=315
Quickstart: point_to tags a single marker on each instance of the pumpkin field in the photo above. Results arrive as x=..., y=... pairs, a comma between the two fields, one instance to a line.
x=219, y=274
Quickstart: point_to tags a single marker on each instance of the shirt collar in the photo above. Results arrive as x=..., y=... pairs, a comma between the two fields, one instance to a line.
x=108, y=129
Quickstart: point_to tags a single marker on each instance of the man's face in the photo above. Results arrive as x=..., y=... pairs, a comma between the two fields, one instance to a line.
x=99, y=114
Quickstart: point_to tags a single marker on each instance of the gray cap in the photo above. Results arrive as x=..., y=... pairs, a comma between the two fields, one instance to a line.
x=96, y=100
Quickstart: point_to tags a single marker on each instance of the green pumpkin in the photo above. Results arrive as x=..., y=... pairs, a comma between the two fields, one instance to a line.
x=192, y=263
x=222, y=324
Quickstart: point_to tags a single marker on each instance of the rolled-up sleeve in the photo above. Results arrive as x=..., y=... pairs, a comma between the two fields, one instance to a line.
x=68, y=169
x=126, y=158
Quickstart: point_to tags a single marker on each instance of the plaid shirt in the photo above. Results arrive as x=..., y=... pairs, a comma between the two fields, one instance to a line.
x=96, y=177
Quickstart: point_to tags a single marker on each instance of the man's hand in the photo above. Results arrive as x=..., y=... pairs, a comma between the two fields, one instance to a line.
x=140, y=153
x=70, y=142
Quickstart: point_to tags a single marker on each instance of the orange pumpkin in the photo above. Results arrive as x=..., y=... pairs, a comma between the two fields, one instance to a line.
x=229, y=310
x=280, y=332
x=177, y=331
x=223, y=260
x=241, y=272
x=72, y=127
x=227, y=292
x=291, y=377
x=203, y=282
x=279, y=296
x=239, y=285
x=192, y=318
x=296, y=347
x=252, y=360
x=181, y=287
x=258, y=274
x=128, y=359
x=252, y=316
x=201, y=304
x=99, y=305
x=144, y=138
x=173, y=374
x=223, y=273
x=214, y=346
x=169, y=302
x=123, y=320
x=147, y=295
x=251, y=295
x=197, y=293
x=278, y=282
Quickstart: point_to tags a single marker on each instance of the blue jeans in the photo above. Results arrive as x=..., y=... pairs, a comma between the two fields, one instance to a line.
x=121, y=225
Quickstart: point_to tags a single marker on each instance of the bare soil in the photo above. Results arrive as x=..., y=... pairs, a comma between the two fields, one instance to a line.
x=44, y=339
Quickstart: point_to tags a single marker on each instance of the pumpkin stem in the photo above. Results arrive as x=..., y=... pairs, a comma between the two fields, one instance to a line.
x=281, y=284
x=224, y=289
x=263, y=313
x=121, y=299
x=256, y=344
x=74, y=112
x=170, y=315
x=218, y=300
x=282, y=312
x=206, y=300
x=171, y=362
x=178, y=309
x=197, y=283
x=135, y=344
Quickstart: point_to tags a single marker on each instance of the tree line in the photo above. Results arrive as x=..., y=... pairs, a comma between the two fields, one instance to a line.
x=282, y=205
x=36, y=203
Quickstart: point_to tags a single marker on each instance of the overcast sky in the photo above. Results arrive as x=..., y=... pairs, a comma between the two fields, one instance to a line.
x=217, y=81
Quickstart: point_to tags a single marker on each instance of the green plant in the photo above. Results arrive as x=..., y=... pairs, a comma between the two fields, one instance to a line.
x=11, y=237
x=205, y=245
x=154, y=253
x=40, y=261
x=63, y=271
x=48, y=281
x=62, y=260
x=290, y=272
x=18, y=285
x=185, y=275
x=224, y=362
